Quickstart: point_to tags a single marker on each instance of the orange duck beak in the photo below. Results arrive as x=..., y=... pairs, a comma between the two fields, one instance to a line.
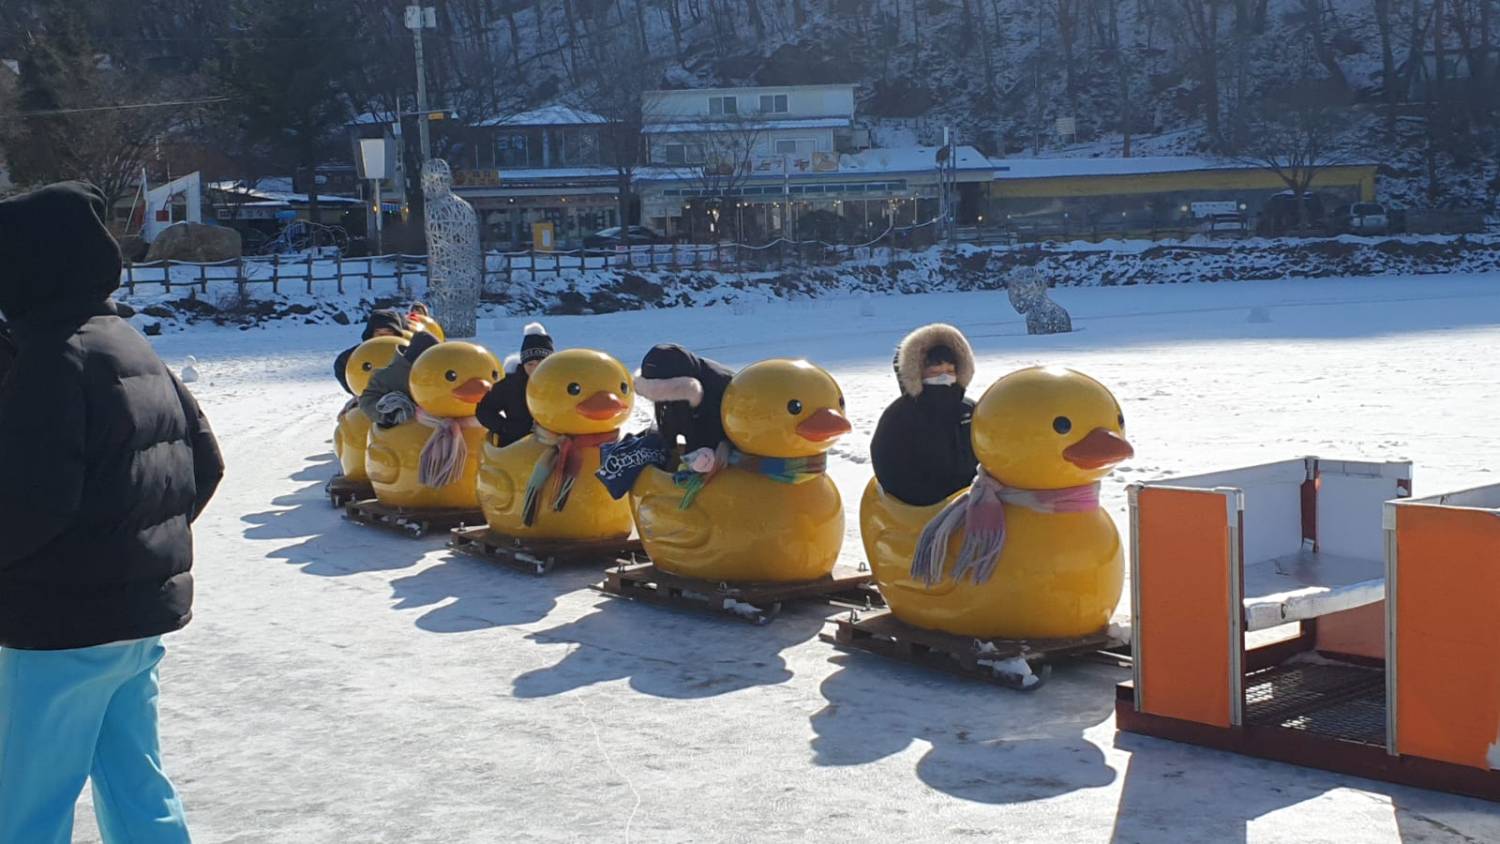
x=472, y=391
x=1102, y=447
x=601, y=405
x=823, y=425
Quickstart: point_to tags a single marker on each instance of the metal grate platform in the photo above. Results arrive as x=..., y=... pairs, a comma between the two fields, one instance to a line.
x=1338, y=701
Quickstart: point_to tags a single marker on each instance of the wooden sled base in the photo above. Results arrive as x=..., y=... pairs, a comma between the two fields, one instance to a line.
x=413, y=523
x=1013, y=663
x=538, y=557
x=342, y=491
x=756, y=603
x=1313, y=723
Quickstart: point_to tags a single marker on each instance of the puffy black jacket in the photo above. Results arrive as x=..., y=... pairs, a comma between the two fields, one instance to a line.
x=922, y=452
x=107, y=458
x=504, y=411
x=688, y=395
x=7, y=350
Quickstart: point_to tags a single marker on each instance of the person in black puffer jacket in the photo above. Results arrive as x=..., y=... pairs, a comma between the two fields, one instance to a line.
x=7, y=350
x=688, y=394
x=504, y=411
x=107, y=462
x=385, y=323
x=922, y=452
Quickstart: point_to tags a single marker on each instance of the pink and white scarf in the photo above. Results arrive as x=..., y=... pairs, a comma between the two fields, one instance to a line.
x=980, y=513
x=443, y=457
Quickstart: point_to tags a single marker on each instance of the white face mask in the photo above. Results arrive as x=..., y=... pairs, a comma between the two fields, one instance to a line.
x=945, y=380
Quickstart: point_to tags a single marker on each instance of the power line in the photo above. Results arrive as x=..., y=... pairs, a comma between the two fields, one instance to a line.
x=133, y=106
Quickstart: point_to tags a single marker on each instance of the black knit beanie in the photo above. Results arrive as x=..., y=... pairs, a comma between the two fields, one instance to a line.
x=536, y=343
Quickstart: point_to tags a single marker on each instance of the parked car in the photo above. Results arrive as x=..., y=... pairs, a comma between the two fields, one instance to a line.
x=1280, y=216
x=1223, y=224
x=629, y=236
x=1361, y=218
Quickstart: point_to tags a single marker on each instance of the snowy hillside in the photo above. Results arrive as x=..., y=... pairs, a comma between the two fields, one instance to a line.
x=1002, y=71
x=342, y=684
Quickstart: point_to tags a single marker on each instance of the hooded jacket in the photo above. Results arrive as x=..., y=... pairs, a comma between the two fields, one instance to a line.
x=108, y=459
x=378, y=320
x=922, y=452
x=504, y=410
x=7, y=350
x=688, y=394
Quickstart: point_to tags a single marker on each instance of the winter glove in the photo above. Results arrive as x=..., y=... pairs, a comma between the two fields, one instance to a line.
x=704, y=460
x=420, y=342
x=395, y=409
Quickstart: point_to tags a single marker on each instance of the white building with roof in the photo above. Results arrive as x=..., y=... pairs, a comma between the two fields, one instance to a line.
x=684, y=128
x=542, y=166
x=754, y=164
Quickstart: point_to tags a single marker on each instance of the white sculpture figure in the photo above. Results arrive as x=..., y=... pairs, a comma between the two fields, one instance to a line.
x=454, y=269
x=1028, y=295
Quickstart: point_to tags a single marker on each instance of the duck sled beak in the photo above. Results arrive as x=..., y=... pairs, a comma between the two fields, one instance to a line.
x=472, y=391
x=1102, y=447
x=601, y=405
x=823, y=425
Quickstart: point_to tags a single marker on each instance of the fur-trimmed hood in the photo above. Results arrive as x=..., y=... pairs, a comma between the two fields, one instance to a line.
x=914, y=347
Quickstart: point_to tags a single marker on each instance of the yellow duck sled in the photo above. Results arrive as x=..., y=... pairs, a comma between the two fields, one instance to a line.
x=353, y=430
x=1046, y=561
x=542, y=486
x=771, y=515
x=431, y=462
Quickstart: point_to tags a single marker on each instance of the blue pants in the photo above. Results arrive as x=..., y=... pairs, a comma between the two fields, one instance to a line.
x=88, y=713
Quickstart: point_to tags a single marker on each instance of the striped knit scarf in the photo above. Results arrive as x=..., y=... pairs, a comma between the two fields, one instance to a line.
x=562, y=460
x=446, y=451
x=783, y=470
x=980, y=513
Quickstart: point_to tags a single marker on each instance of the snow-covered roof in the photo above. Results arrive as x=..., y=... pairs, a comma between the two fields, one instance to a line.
x=12, y=65
x=1047, y=168
x=909, y=160
x=277, y=189
x=552, y=115
x=747, y=124
x=872, y=162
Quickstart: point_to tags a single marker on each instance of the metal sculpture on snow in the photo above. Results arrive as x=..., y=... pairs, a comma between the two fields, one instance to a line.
x=454, y=269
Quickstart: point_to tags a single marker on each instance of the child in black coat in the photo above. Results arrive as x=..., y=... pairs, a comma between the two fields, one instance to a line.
x=921, y=451
x=504, y=411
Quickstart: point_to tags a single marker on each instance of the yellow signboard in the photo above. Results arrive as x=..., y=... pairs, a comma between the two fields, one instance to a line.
x=542, y=237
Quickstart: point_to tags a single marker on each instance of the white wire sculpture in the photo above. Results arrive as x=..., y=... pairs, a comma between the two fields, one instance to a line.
x=455, y=273
x=1028, y=295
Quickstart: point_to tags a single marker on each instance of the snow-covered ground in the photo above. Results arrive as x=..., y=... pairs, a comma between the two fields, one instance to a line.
x=344, y=684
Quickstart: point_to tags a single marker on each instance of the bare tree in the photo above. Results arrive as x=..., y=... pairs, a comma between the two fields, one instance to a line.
x=1201, y=34
x=719, y=157
x=1066, y=14
x=65, y=118
x=620, y=75
x=1296, y=136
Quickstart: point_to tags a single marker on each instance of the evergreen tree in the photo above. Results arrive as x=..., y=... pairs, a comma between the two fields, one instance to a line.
x=286, y=77
x=65, y=119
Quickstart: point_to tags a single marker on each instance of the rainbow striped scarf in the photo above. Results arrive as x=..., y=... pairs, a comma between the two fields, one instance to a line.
x=783, y=470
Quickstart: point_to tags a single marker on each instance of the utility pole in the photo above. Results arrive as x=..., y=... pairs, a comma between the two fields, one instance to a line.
x=419, y=18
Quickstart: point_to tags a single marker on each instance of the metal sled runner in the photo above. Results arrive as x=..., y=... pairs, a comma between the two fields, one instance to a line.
x=756, y=603
x=342, y=491
x=1013, y=663
x=413, y=523
x=539, y=557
